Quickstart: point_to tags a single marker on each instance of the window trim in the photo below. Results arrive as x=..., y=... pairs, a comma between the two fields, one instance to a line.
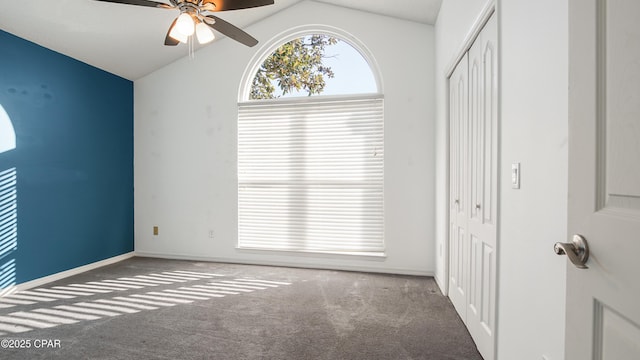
x=244, y=101
x=297, y=32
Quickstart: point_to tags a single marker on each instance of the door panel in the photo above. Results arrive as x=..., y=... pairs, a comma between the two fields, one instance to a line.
x=616, y=336
x=488, y=278
x=476, y=121
x=603, y=315
x=490, y=112
x=622, y=34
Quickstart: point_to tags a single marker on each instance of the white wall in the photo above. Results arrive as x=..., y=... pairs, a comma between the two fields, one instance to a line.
x=185, y=145
x=535, y=133
x=534, y=61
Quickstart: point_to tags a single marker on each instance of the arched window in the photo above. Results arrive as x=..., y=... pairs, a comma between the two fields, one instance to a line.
x=7, y=134
x=310, y=146
x=8, y=207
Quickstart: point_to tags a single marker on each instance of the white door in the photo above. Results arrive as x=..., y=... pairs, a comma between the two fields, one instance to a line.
x=458, y=187
x=603, y=301
x=482, y=204
x=473, y=157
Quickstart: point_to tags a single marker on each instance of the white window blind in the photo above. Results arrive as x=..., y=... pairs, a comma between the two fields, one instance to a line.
x=310, y=175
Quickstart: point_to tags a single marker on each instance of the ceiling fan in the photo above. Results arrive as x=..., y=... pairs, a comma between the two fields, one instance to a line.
x=196, y=18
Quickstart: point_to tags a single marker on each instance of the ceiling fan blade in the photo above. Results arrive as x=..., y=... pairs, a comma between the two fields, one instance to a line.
x=231, y=31
x=225, y=5
x=148, y=3
x=168, y=40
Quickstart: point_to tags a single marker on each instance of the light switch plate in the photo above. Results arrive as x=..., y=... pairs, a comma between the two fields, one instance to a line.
x=515, y=175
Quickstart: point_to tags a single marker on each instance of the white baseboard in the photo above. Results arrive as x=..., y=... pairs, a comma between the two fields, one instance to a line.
x=64, y=274
x=441, y=285
x=396, y=271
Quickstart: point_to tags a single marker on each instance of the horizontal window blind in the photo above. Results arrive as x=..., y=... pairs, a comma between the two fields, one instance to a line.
x=310, y=175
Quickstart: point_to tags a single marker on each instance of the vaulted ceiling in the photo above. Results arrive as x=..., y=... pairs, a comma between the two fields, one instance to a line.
x=128, y=40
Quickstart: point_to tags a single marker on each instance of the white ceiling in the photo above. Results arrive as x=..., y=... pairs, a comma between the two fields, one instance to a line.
x=128, y=40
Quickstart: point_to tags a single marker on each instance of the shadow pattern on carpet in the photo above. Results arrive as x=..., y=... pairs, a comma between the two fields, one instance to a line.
x=146, y=308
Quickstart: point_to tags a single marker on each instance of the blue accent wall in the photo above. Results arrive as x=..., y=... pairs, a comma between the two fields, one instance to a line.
x=73, y=161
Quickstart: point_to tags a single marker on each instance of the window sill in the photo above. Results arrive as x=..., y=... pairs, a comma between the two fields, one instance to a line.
x=375, y=255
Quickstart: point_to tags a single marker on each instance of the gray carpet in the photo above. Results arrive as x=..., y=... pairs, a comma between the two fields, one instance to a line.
x=163, y=309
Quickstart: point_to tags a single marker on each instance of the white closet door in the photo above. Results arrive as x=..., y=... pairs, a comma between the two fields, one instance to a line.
x=483, y=120
x=458, y=216
x=473, y=116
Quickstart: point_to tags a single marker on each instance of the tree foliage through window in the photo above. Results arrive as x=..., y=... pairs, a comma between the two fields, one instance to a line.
x=295, y=66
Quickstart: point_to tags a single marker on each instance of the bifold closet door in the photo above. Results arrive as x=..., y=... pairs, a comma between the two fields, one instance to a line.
x=473, y=116
x=458, y=193
x=481, y=226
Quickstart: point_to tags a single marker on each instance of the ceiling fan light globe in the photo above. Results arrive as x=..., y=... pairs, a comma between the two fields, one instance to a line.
x=204, y=33
x=177, y=35
x=185, y=24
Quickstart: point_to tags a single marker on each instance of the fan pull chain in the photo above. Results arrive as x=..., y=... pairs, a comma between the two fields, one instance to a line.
x=192, y=54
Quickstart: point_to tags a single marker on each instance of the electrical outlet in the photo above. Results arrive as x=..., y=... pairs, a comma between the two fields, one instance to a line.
x=211, y=234
x=155, y=231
